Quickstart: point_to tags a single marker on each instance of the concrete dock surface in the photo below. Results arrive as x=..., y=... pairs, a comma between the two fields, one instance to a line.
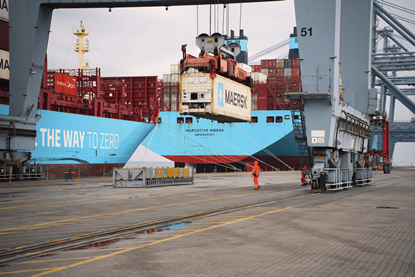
x=279, y=230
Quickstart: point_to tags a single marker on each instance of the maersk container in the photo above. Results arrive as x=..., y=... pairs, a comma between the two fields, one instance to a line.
x=4, y=65
x=218, y=98
x=4, y=35
x=4, y=10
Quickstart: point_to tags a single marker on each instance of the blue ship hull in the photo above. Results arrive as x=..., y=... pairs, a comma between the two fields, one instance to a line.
x=85, y=142
x=208, y=142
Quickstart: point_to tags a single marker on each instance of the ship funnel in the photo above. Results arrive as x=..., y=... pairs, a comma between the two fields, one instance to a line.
x=241, y=43
x=293, y=52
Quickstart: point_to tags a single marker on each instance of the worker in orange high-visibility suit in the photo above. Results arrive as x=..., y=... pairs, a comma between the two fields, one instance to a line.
x=255, y=173
x=303, y=177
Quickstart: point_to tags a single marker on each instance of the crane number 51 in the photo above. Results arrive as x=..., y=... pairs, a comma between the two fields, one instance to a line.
x=305, y=32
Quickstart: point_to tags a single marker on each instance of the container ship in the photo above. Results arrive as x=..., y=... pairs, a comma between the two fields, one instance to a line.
x=209, y=145
x=88, y=123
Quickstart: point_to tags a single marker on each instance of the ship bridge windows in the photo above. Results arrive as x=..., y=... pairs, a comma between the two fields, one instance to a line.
x=287, y=117
x=270, y=119
x=189, y=120
x=254, y=119
x=180, y=120
x=278, y=119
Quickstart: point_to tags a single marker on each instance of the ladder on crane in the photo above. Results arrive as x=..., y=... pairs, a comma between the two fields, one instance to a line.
x=300, y=135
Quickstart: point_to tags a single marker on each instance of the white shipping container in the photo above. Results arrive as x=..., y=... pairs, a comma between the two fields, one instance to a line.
x=258, y=77
x=166, y=78
x=4, y=10
x=174, y=78
x=174, y=69
x=245, y=67
x=4, y=65
x=265, y=71
x=216, y=98
x=287, y=72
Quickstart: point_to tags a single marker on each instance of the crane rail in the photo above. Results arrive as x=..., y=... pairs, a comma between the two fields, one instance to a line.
x=70, y=242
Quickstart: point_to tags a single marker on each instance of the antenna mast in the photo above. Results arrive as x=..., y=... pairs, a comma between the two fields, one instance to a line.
x=81, y=46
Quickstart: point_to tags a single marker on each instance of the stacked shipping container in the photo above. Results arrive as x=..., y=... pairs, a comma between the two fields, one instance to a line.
x=277, y=78
x=169, y=89
x=283, y=75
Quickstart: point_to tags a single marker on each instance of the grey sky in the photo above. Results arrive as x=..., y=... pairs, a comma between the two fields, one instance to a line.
x=145, y=41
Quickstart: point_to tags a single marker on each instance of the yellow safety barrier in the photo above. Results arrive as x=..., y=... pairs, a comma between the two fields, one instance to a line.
x=176, y=172
x=170, y=172
x=186, y=172
x=159, y=173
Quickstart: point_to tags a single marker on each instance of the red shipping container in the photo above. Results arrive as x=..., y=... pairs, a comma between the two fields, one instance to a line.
x=295, y=71
x=65, y=84
x=264, y=64
x=256, y=68
x=4, y=35
x=140, y=89
x=295, y=63
x=272, y=73
x=272, y=63
x=280, y=73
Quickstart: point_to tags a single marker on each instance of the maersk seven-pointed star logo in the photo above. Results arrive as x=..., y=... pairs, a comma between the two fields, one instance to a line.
x=220, y=94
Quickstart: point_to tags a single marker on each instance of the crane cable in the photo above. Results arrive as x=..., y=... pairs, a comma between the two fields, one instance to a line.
x=240, y=17
x=195, y=140
x=219, y=160
x=230, y=146
x=223, y=19
x=210, y=20
x=395, y=6
x=269, y=50
x=145, y=151
x=222, y=161
x=197, y=20
x=183, y=153
x=264, y=148
x=250, y=155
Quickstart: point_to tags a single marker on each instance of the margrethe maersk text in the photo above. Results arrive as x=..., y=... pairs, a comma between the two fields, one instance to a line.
x=79, y=139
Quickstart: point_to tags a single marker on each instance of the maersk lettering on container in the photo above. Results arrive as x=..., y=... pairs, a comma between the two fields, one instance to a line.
x=216, y=98
x=233, y=99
